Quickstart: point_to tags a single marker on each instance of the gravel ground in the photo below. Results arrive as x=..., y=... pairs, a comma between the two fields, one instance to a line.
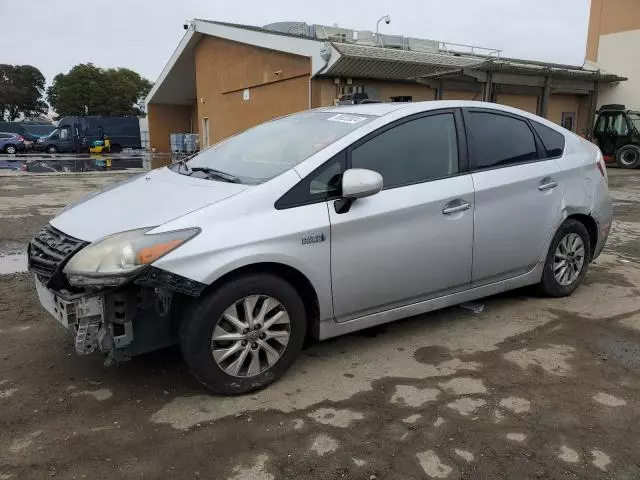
x=529, y=388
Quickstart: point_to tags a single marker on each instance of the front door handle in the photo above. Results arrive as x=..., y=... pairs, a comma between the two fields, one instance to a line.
x=458, y=207
x=548, y=183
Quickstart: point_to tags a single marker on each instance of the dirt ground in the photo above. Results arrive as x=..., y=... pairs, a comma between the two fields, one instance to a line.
x=529, y=388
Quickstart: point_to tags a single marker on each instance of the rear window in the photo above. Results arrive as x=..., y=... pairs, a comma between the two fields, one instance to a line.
x=553, y=141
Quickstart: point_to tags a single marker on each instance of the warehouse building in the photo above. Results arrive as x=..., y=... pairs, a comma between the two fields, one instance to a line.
x=613, y=43
x=224, y=78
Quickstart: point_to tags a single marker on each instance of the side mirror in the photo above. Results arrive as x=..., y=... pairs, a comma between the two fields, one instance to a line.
x=359, y=183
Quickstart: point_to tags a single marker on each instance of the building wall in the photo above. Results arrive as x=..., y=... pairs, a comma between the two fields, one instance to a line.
x=612, y=43
x=323, y=92
x=379, y=90
x=618, y=53
x=528, y=103
x=559, y=104
x=460, y=95
x=607, y=17
x=278, y=84
x=165, y=120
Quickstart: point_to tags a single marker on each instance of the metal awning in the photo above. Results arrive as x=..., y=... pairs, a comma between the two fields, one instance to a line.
x=363, y=61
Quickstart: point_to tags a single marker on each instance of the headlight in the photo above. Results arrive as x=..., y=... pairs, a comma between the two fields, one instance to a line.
x=114, y=259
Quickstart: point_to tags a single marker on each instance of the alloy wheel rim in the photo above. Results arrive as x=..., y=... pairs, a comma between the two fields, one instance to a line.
x=11, y=150
x=250, y=336
x=568, y=259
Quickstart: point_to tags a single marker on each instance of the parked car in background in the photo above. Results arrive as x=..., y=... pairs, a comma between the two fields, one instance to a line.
x=30, y=131
x=617, y=133
x=11, y=143
x=322, y=223
x=76, y=134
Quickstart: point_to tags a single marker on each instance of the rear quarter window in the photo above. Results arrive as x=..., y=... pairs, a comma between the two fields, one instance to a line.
x=553, y=141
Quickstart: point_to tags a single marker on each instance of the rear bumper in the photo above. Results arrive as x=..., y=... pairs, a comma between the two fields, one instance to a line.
x=603, y=215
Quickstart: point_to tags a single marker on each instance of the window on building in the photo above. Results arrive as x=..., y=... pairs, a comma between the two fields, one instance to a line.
x=553, y=141
x=412, y=152
x=499, y=140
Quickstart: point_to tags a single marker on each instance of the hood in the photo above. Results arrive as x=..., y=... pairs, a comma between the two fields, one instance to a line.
x=145, y=200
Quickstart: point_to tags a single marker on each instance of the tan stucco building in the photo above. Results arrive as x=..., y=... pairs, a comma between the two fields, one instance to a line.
x=224, y=78
x=613, y=44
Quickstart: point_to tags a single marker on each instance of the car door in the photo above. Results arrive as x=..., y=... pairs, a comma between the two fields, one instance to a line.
x=65, y=143
x=517, y=195
x=413, y=240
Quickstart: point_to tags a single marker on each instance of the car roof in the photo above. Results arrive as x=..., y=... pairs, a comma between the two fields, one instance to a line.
x=381, y=109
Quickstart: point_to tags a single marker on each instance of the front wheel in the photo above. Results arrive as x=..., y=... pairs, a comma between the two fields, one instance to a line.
x=567, y=260
x=244, y=335
x=628, y=156
x=52, y=149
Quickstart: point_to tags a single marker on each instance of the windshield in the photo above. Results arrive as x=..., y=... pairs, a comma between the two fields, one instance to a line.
x=39, y=130
x=266, y=151
x=635, y=119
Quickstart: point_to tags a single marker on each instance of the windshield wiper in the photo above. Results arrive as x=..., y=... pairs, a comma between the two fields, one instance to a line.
x=219, y=174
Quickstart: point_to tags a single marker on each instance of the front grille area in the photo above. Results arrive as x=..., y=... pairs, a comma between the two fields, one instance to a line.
x=49, y=251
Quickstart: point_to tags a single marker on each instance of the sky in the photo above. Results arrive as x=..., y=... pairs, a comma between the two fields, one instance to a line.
x=142, y=34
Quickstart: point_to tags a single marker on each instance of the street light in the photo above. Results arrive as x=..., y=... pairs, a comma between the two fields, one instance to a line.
x=387, y=20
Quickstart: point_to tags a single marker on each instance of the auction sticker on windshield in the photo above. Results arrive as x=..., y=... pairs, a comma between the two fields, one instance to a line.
x=345, y=118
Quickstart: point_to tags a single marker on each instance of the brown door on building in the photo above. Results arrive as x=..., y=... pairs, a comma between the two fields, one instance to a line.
x=528, y=103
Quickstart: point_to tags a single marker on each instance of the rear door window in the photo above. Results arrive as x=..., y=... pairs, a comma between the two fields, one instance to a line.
x=553, y=141
x=497, y=140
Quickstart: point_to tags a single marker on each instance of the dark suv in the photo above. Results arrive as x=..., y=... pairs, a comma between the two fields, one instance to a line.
x=617, y=133
x=11, y=143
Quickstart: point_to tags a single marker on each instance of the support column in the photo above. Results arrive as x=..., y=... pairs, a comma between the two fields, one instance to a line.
x=544, y=101
x=593, y=107
x=487, y=94
x=439, y=90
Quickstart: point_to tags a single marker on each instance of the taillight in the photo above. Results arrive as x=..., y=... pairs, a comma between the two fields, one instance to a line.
x=20, y=138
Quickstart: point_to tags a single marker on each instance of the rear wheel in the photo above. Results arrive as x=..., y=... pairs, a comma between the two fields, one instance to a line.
x=567, y=260
x=52, y=149
x=10, y=149
x=628, y=156
x=115, y=148
x=245, y=334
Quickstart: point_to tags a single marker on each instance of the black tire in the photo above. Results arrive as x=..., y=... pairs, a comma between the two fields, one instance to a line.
x=549, y=283
x=628, y=156
x=115, y=148
x=197, y=329
x=10, y=149
x=52, y=149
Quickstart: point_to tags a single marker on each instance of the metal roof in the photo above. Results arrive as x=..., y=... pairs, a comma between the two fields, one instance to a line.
x=395, y=64
x=539, y=68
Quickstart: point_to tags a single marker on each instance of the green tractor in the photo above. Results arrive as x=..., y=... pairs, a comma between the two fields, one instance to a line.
x=617, y=133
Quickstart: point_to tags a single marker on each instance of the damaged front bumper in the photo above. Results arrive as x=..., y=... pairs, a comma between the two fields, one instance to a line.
x=136, y=318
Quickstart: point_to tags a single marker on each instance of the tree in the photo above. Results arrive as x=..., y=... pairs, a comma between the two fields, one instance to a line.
x=21, y=90
x=90, y=90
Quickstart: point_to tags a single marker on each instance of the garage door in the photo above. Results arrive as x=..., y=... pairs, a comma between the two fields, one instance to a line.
x=563, y=110
x=528, y=103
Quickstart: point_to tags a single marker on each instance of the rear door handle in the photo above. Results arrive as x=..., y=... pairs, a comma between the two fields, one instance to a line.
x=457, y=207
x=547, y=185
